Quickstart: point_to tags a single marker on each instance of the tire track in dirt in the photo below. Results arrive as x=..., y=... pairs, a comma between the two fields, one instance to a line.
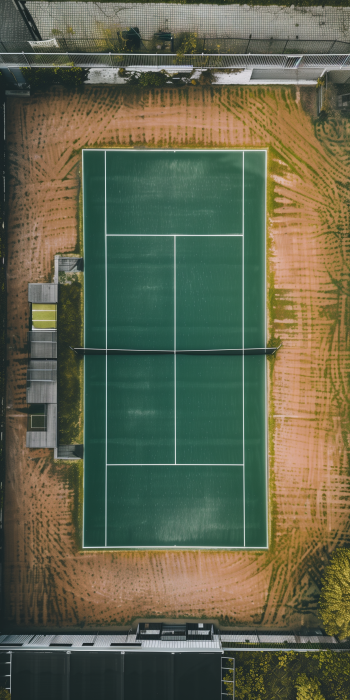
x=47, y=581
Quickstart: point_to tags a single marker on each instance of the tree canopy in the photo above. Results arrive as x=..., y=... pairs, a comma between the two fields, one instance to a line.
x=321, y=675
x=335, y=595
x=308, y=688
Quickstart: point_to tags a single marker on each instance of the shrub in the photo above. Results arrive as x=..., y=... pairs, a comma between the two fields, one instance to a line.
x=207, y=77
x=188, y=44
x=147, y=79
x=152, y=79
x=5, y=694
x=71, y=77
x=43, y=78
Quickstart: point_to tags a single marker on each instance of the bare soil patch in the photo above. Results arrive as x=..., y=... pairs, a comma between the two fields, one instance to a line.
x=47, y=580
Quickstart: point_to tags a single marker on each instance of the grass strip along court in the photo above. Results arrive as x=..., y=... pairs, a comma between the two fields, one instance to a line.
x=174, y=258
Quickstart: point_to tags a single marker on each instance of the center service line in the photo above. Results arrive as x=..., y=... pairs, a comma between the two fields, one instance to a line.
x=243, y=346
x=106, y=471
x=175, y=340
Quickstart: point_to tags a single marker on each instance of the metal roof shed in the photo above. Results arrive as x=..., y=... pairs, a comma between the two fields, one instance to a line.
x=42, y=293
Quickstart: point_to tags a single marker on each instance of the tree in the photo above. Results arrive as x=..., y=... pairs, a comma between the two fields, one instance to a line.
x=308, y=688
x=335, y=595
x=334, y=673
x=281, y=675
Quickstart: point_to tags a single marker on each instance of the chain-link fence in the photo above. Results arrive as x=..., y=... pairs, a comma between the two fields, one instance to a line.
x=290, y=43
x=96, y=27
x=206, y=46
x=315, y=62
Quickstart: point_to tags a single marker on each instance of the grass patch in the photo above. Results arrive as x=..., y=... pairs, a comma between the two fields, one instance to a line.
x=69, y=333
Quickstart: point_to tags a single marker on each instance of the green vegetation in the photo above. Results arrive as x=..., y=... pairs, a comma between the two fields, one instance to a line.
x=291, y=676
x=335, y=595
x=5, y=694
x=147, y=79
x=308, y=688
x=186, y=43
x=43, y=78
x=69, y=364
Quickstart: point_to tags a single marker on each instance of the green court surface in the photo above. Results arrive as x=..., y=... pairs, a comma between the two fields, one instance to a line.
x=174, y=255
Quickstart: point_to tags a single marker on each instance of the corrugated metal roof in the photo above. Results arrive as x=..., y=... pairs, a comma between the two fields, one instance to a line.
x=318, y=639
x=42, y=293
x=240, y=638
x=47, y=438
x=42, y=640
x=277, y=638
x=12, y=25
x=200, y=644
x=79, y=640
x=17, y=639
x=43, y=344
x=105, y=640
x=42, y=381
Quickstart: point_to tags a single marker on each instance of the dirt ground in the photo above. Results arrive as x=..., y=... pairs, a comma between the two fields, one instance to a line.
x=47, y=580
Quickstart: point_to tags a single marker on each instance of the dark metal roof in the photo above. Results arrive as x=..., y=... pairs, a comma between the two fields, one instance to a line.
x=16, y=24
x=128, y=675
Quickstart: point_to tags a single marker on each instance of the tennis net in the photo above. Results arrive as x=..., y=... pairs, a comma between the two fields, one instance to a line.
x=216, y=351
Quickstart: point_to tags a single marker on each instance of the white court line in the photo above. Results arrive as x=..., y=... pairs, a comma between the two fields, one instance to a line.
x=84, y=418
x=266, y=370
x=175, y=150
x=106, y=471
x=243, y=347
x=180, y=547
x=170, y=235
x=175, y=344
x=172, y=464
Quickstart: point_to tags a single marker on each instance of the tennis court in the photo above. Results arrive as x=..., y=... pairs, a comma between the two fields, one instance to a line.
x=175, y=445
